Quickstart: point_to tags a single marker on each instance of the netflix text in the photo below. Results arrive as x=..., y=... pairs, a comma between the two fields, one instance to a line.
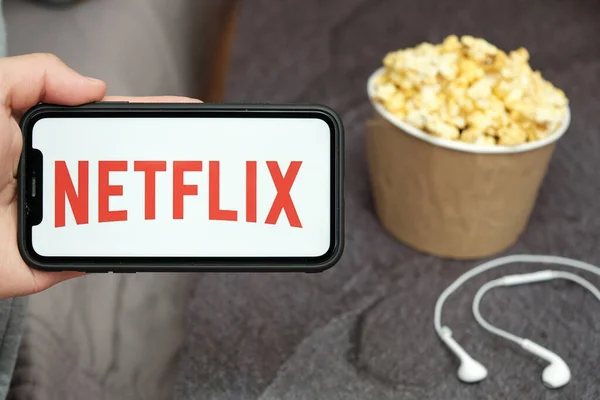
x=73, y=195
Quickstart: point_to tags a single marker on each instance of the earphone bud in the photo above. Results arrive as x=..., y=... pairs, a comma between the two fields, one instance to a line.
x=557, y=373
x=469, y=370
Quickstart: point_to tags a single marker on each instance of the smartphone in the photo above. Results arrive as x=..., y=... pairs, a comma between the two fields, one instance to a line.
x=138, y=187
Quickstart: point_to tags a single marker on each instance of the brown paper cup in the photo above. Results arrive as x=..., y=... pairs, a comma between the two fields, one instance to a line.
x=452, y=199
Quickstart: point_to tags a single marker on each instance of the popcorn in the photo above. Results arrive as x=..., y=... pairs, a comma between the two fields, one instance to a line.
x=479, y=120
x=416, y=118
x=472, y=135
x=439, y=128
x=511, y=135
x=482, y=89
x=468, y=90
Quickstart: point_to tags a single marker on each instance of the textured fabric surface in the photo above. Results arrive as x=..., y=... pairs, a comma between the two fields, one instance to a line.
x=363, y=330
x=111, y=336
x=12, y=315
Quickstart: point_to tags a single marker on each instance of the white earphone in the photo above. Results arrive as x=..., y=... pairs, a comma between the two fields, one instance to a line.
x=557, y=373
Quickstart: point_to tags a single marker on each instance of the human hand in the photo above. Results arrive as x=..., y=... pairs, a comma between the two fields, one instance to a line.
x=24, y=82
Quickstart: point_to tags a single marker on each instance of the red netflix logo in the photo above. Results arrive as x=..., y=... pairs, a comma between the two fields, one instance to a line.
x=78, y=195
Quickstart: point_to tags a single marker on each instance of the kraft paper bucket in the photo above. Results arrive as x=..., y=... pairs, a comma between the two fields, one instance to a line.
x=447, y=198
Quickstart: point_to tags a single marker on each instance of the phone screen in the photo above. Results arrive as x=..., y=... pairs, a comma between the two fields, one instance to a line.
x=183, y=187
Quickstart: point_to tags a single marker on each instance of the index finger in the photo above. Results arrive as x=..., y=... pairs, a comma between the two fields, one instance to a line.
x=29, y=79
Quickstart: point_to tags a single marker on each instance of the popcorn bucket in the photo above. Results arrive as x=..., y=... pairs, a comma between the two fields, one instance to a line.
x=449, y=198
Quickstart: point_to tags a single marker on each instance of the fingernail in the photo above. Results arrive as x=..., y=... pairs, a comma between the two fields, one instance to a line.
x=93, y=79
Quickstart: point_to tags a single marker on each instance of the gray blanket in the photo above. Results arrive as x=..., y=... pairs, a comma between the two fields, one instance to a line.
x=363, y=330
x=12, y=314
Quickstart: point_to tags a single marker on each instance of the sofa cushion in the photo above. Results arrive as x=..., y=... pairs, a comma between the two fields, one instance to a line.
x=140, y=47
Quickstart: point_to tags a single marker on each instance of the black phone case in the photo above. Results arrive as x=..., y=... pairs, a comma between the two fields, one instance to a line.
x=221, y=264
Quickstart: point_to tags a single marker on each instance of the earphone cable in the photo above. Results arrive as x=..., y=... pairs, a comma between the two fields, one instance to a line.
x=498, y=262
x=500, y=283
x=483, y=322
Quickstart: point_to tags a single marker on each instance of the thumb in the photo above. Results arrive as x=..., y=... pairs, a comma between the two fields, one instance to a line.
x=33, y=78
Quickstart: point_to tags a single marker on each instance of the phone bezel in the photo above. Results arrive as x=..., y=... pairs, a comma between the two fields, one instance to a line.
x=29, y=166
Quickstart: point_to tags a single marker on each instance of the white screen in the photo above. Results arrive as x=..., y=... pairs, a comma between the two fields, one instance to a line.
x=229, y=141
